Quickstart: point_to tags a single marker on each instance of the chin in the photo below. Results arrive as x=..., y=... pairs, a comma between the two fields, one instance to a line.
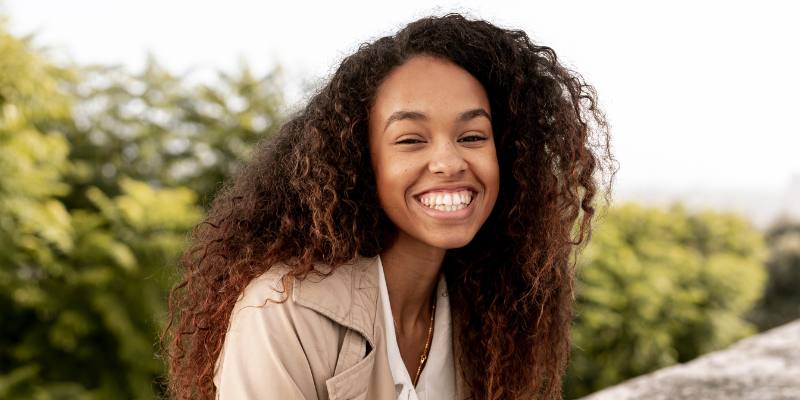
x=450, y=243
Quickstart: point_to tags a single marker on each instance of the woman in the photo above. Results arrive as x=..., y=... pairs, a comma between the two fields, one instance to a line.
x=406, y=235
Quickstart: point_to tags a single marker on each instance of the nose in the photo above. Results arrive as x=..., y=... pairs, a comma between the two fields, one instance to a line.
x=446, y=159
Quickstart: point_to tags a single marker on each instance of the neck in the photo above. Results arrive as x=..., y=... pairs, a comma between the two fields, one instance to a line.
x=412, y=274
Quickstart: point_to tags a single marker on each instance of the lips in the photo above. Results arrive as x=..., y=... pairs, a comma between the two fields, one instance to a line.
x=456, y=216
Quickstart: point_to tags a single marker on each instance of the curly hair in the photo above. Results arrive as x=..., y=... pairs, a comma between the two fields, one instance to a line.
x=309, y=195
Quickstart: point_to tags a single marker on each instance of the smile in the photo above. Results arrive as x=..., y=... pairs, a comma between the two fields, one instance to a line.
x=447, y=205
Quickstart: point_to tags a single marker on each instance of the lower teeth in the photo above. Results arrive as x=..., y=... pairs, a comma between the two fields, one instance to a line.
x=447, y=208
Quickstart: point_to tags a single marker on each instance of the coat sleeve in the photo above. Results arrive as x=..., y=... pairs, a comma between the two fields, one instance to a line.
x=262, y=356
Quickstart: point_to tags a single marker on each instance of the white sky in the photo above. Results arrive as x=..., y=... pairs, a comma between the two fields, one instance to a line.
x=699, y=94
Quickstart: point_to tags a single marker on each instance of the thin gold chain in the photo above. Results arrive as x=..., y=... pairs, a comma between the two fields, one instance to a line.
x=424, y=356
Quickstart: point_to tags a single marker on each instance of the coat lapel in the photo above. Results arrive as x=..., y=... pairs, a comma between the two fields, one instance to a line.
x=354, y=307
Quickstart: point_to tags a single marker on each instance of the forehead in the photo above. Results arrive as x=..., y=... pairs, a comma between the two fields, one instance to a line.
x=431, y=85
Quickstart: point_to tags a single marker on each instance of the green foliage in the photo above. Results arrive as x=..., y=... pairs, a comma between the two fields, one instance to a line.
x=82, y=288
x=780, y=302
x=656, y=287
x=103, y=174
x=85, y=316
x=154, y=127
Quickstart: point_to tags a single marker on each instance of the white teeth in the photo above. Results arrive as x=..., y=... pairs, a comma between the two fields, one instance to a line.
x=444, y=207
x=447, y=201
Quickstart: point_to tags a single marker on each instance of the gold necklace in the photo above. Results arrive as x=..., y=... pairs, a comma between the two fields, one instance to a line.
x=424, y=356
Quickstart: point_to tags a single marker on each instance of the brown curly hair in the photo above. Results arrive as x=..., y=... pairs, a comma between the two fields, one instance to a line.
x=309, y=195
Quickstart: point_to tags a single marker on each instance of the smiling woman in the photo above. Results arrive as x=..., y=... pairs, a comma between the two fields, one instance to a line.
x=406, y=235
x=442, y=149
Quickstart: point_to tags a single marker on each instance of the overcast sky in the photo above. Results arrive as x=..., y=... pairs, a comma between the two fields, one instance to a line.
x=699, y=94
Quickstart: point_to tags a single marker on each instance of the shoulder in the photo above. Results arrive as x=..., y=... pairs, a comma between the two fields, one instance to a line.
x=328, y=298
x=277, y=284
x=269, y=305
x=270, y=333
x=271, y=337
x=306, y=329
x=267, y=288
x=323, y=296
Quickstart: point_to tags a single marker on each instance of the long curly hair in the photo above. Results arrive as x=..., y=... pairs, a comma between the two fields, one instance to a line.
x=309, y=195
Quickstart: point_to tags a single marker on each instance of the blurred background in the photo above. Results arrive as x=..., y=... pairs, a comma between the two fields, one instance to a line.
x=119, y=121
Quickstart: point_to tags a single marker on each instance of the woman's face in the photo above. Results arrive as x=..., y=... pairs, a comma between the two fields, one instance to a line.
x=433, y=152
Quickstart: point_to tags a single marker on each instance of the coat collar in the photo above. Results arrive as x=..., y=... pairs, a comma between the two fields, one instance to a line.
x=355, y=285
x=349, y=296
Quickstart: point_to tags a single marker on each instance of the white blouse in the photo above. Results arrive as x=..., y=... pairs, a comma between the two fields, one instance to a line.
x=437, y=379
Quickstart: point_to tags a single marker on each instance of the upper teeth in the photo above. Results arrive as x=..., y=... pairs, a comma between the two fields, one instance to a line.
x=446, y=198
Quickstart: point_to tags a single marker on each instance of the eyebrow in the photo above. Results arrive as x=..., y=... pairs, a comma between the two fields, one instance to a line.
x=420, y=116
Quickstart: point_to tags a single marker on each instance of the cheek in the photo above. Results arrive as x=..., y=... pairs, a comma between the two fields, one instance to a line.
x=392, y=178
x=488, y=171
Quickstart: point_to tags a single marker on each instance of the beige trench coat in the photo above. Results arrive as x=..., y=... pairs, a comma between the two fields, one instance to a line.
x=325, y=342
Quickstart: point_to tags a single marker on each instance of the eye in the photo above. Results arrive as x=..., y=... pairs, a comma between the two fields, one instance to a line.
x=473, y=138
x=409, y=141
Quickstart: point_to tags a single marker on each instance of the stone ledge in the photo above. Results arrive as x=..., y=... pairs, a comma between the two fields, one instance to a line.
x=764, y=366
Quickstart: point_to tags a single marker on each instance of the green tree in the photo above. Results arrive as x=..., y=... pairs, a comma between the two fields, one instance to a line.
x=34, y=225
x=656, y=287
x=82, y=290
x=154, y=127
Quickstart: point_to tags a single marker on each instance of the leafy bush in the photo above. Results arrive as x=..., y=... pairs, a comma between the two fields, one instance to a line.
x=656, y=287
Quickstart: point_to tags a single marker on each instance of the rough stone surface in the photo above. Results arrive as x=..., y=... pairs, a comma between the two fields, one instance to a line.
x=762, y=367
